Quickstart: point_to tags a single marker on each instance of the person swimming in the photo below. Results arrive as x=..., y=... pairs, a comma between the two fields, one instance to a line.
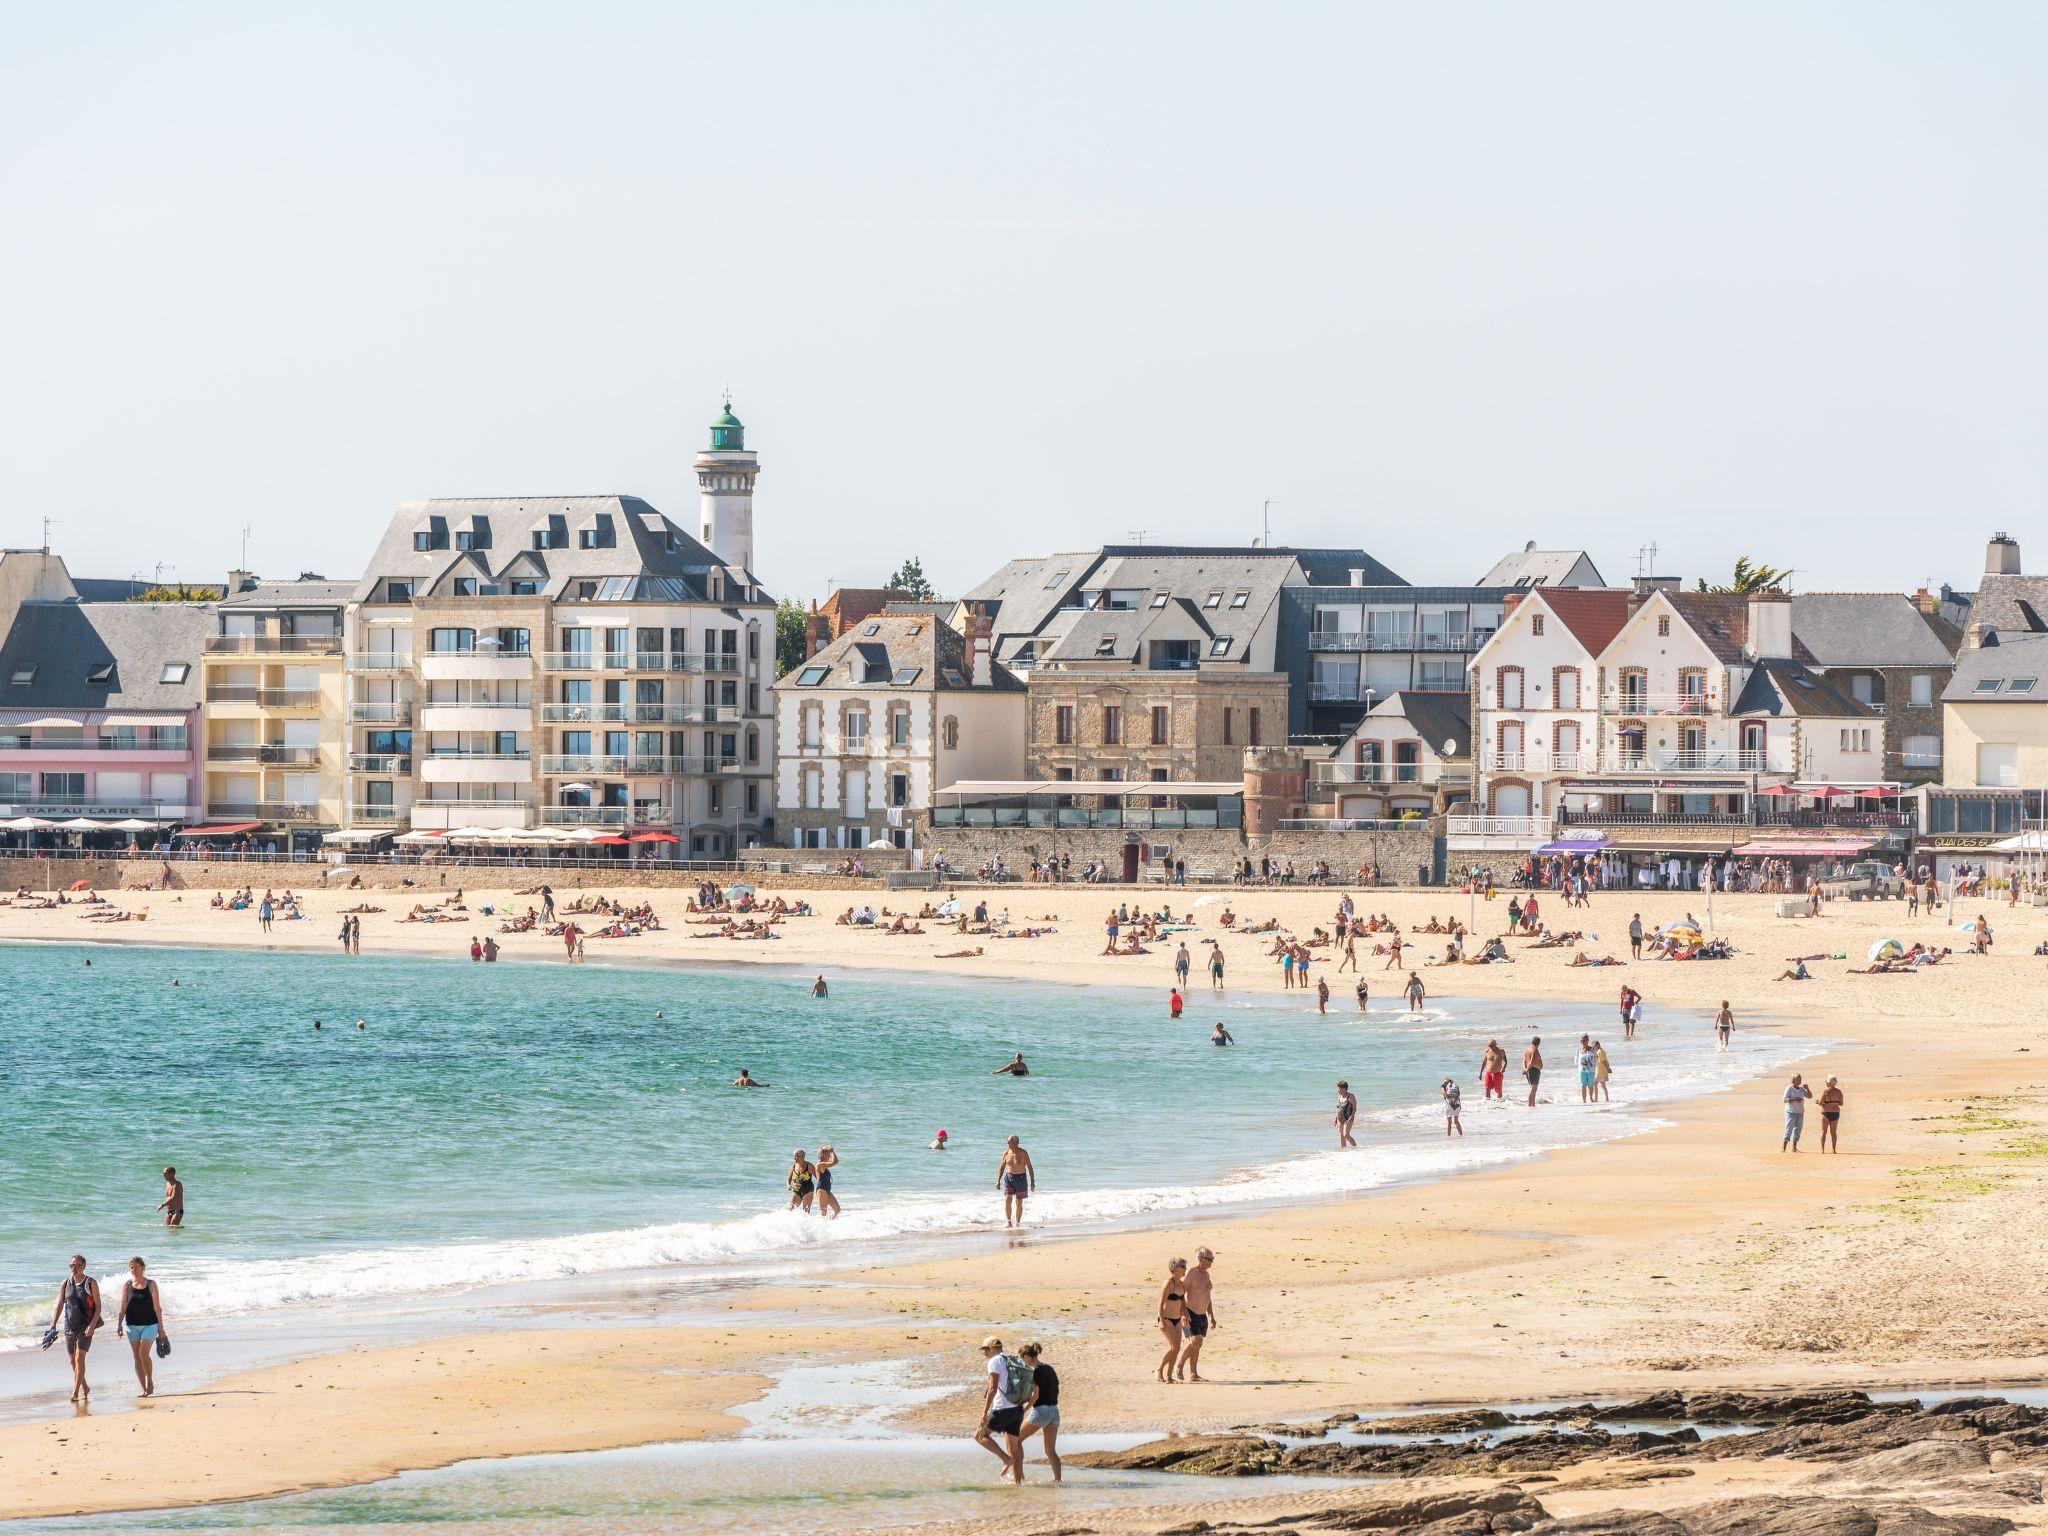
x=1221, y=1036
x=939, y=1142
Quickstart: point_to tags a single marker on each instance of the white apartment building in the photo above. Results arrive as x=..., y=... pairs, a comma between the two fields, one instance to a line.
x=1536, y=697
x=873, y=725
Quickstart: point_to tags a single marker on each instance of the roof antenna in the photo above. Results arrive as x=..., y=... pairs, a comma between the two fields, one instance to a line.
x=48, y=524
x=1646, y=560
x=247, y=529
x=1266, y=523
x=1139, y=535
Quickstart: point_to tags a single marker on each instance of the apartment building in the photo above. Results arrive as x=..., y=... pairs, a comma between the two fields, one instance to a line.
x=1892, y=653
x=573, y=662
x=1536, y=697
x=271, y=743
x=872, y=725
x=1345, y=649
x=99, y=706
x=1409, y=755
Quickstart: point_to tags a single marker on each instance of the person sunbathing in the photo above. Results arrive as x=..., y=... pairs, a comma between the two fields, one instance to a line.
x=1582, y=958
x=958, y=954
x=1799, y=972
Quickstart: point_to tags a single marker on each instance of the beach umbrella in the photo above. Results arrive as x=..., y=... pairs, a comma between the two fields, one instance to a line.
x=132, y=824
x=1887, y=949
x=1779, y=789
x=1830, y=791
x=740, y=890
x=80, y=824
x=610, y=841
x=1877, y=792
x=335, y=869
x=585, y=835
x=81, y=885
x=26, y=824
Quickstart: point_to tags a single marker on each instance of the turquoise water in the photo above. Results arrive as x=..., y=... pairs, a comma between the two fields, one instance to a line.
x=518, y=1123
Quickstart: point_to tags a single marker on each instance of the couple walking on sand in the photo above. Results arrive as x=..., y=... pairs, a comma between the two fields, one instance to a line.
x=1187, y=1311
x=1020, y=1398
x=79, y=1315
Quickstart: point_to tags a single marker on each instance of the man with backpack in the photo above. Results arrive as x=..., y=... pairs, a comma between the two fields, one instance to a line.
x=1002, y=1407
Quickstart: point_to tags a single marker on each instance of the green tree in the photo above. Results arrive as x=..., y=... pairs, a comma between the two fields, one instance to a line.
x=909, y=577
x=790, y=635
x=179, y=592
x=1749, y=577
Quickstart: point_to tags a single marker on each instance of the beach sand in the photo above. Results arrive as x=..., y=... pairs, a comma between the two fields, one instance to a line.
x=1694, y=1255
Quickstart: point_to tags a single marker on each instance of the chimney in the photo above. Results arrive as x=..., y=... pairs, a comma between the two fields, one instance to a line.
x=2002, y=556
x=1645, y=585
x=240, y=581
x=1924, y=600
x=1770, y=626
x=1358, y=575
x=814, y=630
x=981, y=660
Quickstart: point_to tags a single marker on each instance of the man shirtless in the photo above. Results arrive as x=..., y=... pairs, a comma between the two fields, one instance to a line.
x=173, y=1205
x=1532, y=1066
x=1016, y=1178
x=1493, y=1071
x=1198, y=1317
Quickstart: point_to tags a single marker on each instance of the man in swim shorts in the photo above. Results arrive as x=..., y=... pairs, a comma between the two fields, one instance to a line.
x=1589, y=1064
x=1493, y=1071
x=1532, y=1066
x=1017, y=1179
x=1198, y=1317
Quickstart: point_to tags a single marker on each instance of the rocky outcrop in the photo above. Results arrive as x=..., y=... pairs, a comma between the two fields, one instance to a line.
x=1543, y=1451
x=1198, y=1455
x=1462, y=1422
x=1778, y=1516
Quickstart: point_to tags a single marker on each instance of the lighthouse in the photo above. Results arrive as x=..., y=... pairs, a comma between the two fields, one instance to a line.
x=725, y=491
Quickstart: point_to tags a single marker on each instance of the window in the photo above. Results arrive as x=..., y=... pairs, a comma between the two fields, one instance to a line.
x=1984, y=684
x=1057, y=578
x=899, y=727
x=24, y=675
x=1162, y=717
x=1106, y=646
x=856, y=728
x=515, y=642
x=63, y=786
x=1921, y=752
x=175, y=672
x=906, y=677
x=15, y=787
x=1226, y=725
x=1663, y=624
x=1566, y=688
x=812, y=725
x=1112, y=725
x=810, y=677
x=2020, y=685
x=1220, y=646
x=1855, y=738
x=1251, y=730
x=452, y=640
x=100, y=675
x=1239, y=599
x=1535, y=623
x=465, y=540
x=872, y=629
x=397, y=591
x=465, y=586
x=1063, y=724
x=1922, y=690
x=1214, y=599
x=949, y=734
x=1508, y=687
x=1159, y=599
x=423, y=540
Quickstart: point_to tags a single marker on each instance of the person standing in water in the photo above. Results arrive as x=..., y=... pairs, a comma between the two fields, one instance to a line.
x=1042, y=1411
x=77, y=1313
x=802, y=1181
x=1415, y=992
x=1014, y=1067
x=141, y=1318
x=1322, y=995
x=1363, y=994
x=1493, y=1072
x=1180, y=965
x=1221, y=1036
x=1454, y=1103
x=173, y=1204
x=1347, y=1111
x=1724, y=1025
x=1215, y=967
x=828, y=1203
x=1532, y=1066
x=1017, y=1179
x=819, y=989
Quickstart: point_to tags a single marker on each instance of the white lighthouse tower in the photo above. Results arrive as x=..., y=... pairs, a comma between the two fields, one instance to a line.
x=725, y=489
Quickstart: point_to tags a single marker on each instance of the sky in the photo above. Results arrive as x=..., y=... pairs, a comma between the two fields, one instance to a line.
x=994, y=280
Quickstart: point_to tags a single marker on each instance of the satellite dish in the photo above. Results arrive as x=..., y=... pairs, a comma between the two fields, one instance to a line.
x=1450, y=747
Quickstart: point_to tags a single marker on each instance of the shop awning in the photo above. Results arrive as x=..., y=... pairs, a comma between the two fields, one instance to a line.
x=228, y=830
x=115, y=717
x=1679, y=846
x=1570, y=845
x=1803, y=848
x=654, y=837
x=356, y=835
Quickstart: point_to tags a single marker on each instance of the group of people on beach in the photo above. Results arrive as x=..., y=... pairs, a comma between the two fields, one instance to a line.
x=80, y=1310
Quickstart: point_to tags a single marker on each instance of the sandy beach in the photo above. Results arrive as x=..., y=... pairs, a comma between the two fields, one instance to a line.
x=1693, y=1255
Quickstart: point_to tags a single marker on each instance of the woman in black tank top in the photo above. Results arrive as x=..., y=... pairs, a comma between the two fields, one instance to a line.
x=142, y=1320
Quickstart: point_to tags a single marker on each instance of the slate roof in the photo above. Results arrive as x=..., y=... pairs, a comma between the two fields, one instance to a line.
x=1721, y=620
x=1437, y=717
x=639, y=542
x=2015, y=656
x=933, y=647
x=66, y=641
x=1788, y=688
x=1546, y=568
x=1867, y=629
x=291, y=594
x=2011, y=602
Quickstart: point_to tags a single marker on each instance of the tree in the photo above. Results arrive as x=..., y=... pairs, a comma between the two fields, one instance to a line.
x=1749, y=577
x=792, y=639
x=179, y=592
x=909, y=577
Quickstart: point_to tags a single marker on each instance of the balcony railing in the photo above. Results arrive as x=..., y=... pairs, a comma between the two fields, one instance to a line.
x=1542, y=762
x=634, y=714
x=521, y=706
x=488, y=652
x=277, y=645
x=379, y=762
x=637, y=661
x=631, y=764
x=362, y=814
x=1497, y=826
x=1570, y=817
x=1136, y=818
x=1624, y=701
x=100, y=744
x=473, y=805
x=261, y=810
x=1770, y=814
x=1376, y=773
x=262, y=752
x=379, y=711
x=584, y=815
x=380, y=661
x=269, y=698
x=1687, y=760
x=1442, y=640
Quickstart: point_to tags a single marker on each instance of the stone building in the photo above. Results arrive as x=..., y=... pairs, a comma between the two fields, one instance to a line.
x=1891, y=652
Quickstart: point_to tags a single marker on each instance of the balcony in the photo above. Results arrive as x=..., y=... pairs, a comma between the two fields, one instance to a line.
x=261, y=810
x=380, y=762
x=1542, y=762
x=635, y=714
x=1334, y=693
x=379, y=712
x=273, y=645
x=1568, y=816
x=584, y=815
x=1627, y=701
x=1722, y=760
x=262, y=752
x=267, y=698
x=444, y=815
x=1439, y=640
x=1770, y=814
x=79, y=744
x=636, y=661
x=380, y=661
x=1518, y=828
x=1131, y=817
x=371, y=815
x=1327, y=772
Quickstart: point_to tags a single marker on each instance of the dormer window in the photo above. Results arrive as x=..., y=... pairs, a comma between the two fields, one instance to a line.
x=100, y=676
x=1159, y=599
x=175, y=672
x=423, y=540
x=586, y=538
x=525, y=587
x=1106, y=646
x=465, y=586
x=465, y=540
x=1220, y=646
x=24, y=675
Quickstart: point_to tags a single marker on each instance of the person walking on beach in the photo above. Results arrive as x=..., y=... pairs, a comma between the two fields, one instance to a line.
x=547, y=903
x=1347, y=1111
x=1002, y=1408
x=1493, y=1072
x=1532, y=1066
x=1017, y=1179
x=1180, y=965
x=569, y=938
x=802, y=1180
x=1350, y=960
x=173, y=1202
x=1393, y=954
x=1200, y=1316
x=263, y=913
x=1215, y=967
x=1796, y=1095
x=1830, y=1117
x=1173, y=1312
x=1628, y=997
x=1415, y=992
x=1322, y=994
x=1042, y=1408
x=1453, y=1108
x=828, y=1203
x=1724, y=1025
x=77, y=1313
x=1589, y=1064
x=1635, y=936
x=141, y=1318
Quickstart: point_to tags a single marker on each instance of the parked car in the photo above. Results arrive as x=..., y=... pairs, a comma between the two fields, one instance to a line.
x=1869, y=878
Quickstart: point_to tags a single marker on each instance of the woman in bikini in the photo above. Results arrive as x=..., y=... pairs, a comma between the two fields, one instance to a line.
x=1173, y=1308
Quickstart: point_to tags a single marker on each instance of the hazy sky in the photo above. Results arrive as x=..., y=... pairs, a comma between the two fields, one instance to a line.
x=991, y=280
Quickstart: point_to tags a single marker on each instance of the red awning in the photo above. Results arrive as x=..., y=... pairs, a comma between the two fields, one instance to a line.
x=609, y=842
x=1877, y=792
x=1779, y=789
x=654, y=837
x=1809, y=848
x=226, y=831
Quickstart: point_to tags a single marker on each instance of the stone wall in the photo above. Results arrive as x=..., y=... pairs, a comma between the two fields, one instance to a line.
x=1200, y=746
x=1400, y=852
x=232, y=874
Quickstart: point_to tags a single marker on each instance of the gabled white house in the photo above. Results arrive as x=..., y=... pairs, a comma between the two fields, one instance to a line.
x=1535, y=697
